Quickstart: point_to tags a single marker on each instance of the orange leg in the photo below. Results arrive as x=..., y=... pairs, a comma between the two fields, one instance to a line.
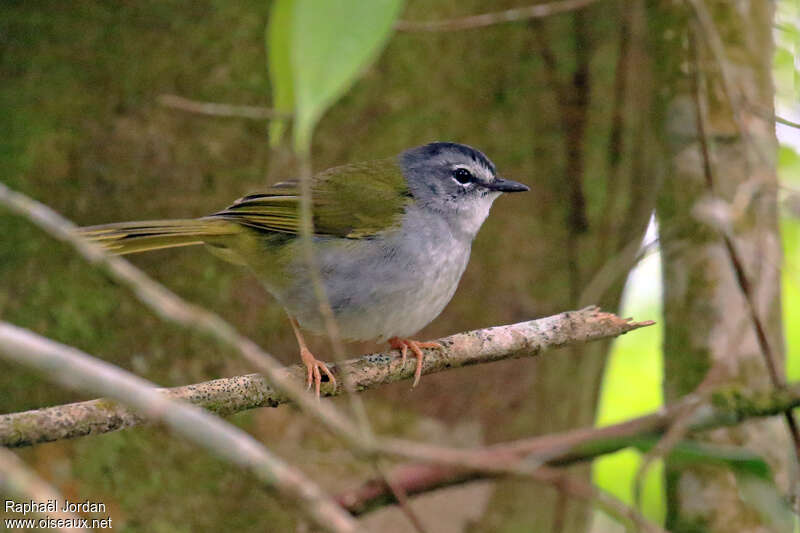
x=313, y=365
x=416, y=348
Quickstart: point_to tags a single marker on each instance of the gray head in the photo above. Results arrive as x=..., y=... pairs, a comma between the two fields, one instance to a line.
x=456, y=181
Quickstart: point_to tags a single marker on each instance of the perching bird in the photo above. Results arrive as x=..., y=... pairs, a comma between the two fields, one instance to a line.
x=391, y=239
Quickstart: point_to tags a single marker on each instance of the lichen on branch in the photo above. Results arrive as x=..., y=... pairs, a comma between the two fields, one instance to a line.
x=230, y=395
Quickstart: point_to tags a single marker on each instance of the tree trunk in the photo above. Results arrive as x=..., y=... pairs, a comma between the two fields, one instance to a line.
x=607, y=182
x=719, y=145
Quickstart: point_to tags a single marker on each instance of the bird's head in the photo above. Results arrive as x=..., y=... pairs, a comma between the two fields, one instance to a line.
x=456, y=181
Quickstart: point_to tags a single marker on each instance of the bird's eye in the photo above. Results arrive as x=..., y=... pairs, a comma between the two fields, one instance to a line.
x=462, y=175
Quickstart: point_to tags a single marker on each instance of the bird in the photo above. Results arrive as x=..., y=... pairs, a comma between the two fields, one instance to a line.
x=390, y=239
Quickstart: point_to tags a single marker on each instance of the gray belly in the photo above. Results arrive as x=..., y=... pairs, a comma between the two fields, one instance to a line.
x=378, y=288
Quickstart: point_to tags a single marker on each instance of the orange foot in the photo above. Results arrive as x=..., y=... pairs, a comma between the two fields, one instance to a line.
x=313, y=365
x=404, y=344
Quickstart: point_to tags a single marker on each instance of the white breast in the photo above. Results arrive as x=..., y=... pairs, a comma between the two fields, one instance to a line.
x=418, y=297
x=391, y=286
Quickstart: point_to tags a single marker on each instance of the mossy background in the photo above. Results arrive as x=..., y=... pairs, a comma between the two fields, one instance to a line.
x=82, y=132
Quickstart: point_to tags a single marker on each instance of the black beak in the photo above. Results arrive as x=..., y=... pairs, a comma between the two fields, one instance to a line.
x=504, y=185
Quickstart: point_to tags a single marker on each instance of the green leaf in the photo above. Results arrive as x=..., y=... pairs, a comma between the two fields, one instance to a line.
x=784, y=58
x=740, y=460
x=689, y=452
x=278, y=41
x=789, y=165
x=332, y=41
x=784, y=72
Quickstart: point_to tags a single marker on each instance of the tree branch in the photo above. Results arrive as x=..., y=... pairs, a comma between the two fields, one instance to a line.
x=216, y=109
x=77, y=370
x=441, y=467
x=230, y=395
x=786, y=122
x=489, y=19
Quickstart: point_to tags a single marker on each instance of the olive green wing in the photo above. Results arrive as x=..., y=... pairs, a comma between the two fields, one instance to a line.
x=353, y=201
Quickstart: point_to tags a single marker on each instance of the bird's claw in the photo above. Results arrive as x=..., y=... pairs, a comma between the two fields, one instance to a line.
x=313, y=374
x=416, y=348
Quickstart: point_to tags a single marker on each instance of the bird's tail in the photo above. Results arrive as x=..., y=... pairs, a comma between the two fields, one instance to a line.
x=133, y=237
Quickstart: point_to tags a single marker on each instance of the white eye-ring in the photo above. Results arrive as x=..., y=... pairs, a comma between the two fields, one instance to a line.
x=463, y=176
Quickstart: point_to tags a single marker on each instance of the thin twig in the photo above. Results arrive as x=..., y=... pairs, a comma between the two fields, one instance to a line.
x=230, y=395
x=490, y=19
x=21, y=483
x=77, y=370
x=332, y=327
x=616, y=268
x=767, y=114
x=216, y=109
x=400, y=496
x=710, y=35
x=417, y=479
x=580, y=489
x=786, y=122
x=329, y=320
x=677, y=430
x=559, y=513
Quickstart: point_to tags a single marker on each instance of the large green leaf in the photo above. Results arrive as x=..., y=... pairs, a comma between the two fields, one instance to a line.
x=278, y=40
x=332, y=41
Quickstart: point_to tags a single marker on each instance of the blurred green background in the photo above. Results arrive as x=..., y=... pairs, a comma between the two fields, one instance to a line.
x=83, y=133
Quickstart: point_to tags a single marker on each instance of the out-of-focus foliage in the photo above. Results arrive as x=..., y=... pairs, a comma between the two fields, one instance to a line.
x=790, y=232
x=279, y=65
x=787, y=46
x=787, y=99
x=787, y=104
x=327, y=44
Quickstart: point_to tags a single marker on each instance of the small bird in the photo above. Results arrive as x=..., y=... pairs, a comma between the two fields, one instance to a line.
x=391, y=239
